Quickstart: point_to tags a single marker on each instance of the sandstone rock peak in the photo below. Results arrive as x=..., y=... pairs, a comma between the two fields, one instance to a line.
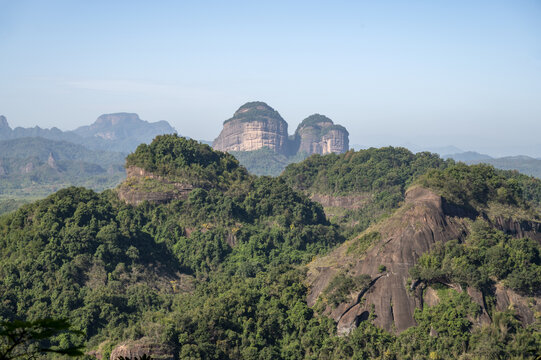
x=256, y=125
x=253, y=126
x=317, y=134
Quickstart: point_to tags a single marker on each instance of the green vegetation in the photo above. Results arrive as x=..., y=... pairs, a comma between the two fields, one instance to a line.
x=475, y=187
x=342, y=285
x=312, y=120
x=363, y=242
x=486, y=256
x=219, y=274
x=28, y=339
x=380, y=175
x=265, y=161
x=255, y=111
x=187, y=160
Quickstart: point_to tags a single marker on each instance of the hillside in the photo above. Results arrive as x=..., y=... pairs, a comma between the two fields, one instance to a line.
x=524, y=164
x=36, y=167
x=238, y=266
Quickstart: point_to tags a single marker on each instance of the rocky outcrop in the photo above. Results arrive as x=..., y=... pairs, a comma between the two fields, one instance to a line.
x=51, y=162
x=317, y=134
x=144, y=346
x=423, y=220
x=5, y=129
x=141, y=185
x=526, y=308
x=253, y=126
x=518, y=228
x=256, y=125
x=345, y=202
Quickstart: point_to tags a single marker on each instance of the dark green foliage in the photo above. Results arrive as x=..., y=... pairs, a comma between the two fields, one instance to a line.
x=27, y=339
x=187, y=160
x=144, y=357
x=442, y=329
x=380, y=175
x=486, y=254
x=218, y=275
x=360, y=171
x=474, y=186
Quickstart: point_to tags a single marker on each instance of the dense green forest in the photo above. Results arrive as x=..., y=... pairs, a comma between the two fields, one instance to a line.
x=220, y=273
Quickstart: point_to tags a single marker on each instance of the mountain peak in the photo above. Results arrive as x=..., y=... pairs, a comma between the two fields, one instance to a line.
x=117, y=118
x=4, y=123
x=254, y=106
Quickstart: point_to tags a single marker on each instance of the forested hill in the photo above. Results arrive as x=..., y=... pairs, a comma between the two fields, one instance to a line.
x=218, y=272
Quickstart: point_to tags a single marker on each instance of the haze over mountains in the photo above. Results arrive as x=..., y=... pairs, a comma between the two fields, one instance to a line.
x=35, y=161
x=121, y=132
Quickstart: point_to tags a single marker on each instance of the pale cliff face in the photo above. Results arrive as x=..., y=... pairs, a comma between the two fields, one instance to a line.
x=322, y=139
x=335, y=141
x=253, y=126
x=248, y=136
x=256, y=125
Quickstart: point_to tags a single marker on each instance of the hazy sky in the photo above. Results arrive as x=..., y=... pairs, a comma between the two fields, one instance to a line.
x=432, y=73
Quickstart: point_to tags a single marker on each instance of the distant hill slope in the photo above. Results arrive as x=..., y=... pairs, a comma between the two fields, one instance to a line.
x=393, y=206
x=265, y=161
x=524, y=164
x=121, y=132
x=36, y=167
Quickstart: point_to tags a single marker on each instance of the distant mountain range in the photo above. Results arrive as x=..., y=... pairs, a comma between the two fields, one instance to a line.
x=121, y=132
x=35, y=167
x=524, y=164
x=35, y=162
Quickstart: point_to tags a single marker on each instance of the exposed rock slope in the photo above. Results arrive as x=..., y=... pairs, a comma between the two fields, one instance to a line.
x=423, y=220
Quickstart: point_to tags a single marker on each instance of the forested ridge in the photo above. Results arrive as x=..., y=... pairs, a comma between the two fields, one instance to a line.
x=220, y=273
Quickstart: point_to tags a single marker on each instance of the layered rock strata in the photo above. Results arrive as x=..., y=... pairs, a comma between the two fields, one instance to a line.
x=252, y=127
x=317, y=134
x=256, y=125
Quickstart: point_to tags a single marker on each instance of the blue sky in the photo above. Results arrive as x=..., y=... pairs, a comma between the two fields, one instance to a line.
x=430, y=73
